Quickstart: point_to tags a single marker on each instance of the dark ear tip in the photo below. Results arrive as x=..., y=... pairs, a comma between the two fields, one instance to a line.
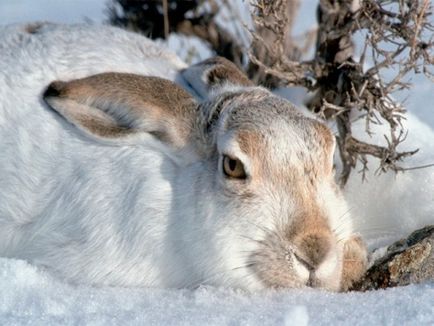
x=54, y=89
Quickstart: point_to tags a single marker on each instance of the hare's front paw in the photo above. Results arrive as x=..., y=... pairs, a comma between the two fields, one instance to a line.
x=355, y=262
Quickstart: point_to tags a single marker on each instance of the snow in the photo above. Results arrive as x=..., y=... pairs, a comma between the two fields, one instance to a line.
x=65, y=11
x=389, y=206
x=30, y=295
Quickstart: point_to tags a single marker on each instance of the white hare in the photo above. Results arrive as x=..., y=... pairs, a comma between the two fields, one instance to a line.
x=126, y=180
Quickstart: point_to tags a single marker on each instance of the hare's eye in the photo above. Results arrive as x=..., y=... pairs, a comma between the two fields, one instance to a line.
x=233, y=168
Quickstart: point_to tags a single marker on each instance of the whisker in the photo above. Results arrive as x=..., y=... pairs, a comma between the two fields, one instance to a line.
x=212, y=277
x=379, y=228
x=342, y=220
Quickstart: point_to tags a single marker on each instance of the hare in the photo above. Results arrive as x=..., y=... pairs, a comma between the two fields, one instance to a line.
x=115, y=175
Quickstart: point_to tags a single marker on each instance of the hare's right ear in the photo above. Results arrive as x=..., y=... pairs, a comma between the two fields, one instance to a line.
x=212, y=75
x=120, y=108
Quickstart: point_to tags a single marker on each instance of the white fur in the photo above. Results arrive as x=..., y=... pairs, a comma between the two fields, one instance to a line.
x=50, y=175
x=117, y=215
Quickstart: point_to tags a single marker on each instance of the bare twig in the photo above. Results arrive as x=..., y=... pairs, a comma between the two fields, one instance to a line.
x=166, y=18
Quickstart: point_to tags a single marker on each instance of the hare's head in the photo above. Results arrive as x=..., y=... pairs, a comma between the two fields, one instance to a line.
x=264, y=209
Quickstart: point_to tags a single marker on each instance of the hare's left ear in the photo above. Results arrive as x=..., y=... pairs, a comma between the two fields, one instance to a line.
x=213, y=75
x=120, y=108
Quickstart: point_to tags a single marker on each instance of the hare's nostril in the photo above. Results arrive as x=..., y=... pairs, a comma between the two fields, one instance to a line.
x=311, y=280
x=305, y=262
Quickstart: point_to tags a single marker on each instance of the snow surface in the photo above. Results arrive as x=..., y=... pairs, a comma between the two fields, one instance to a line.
x=30, y=295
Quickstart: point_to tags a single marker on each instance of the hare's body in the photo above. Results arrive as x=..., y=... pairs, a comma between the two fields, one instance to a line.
x=49, y=179
x=159, y=212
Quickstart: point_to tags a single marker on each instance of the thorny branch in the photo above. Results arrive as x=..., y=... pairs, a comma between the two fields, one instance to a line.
x=398, y=36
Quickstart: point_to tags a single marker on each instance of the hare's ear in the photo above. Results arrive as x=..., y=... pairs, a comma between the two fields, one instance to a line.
x=121, y=108
x=212, y=75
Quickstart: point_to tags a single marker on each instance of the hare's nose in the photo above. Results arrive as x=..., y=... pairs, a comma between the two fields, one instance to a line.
x=312, y=250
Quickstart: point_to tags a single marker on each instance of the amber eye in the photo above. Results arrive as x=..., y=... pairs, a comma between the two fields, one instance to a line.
x=233, y=168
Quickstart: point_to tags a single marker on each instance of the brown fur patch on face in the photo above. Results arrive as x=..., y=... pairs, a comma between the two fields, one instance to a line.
x=312, y=248
x=250, y=143
x=325, y=136
x=326, y=140
x=299, y=172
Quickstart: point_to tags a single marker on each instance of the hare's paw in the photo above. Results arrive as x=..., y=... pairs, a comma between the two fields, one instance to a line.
x=355, y=262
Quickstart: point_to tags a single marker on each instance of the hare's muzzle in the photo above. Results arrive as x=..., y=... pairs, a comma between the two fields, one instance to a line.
x=305, y=254
x=313, y=251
